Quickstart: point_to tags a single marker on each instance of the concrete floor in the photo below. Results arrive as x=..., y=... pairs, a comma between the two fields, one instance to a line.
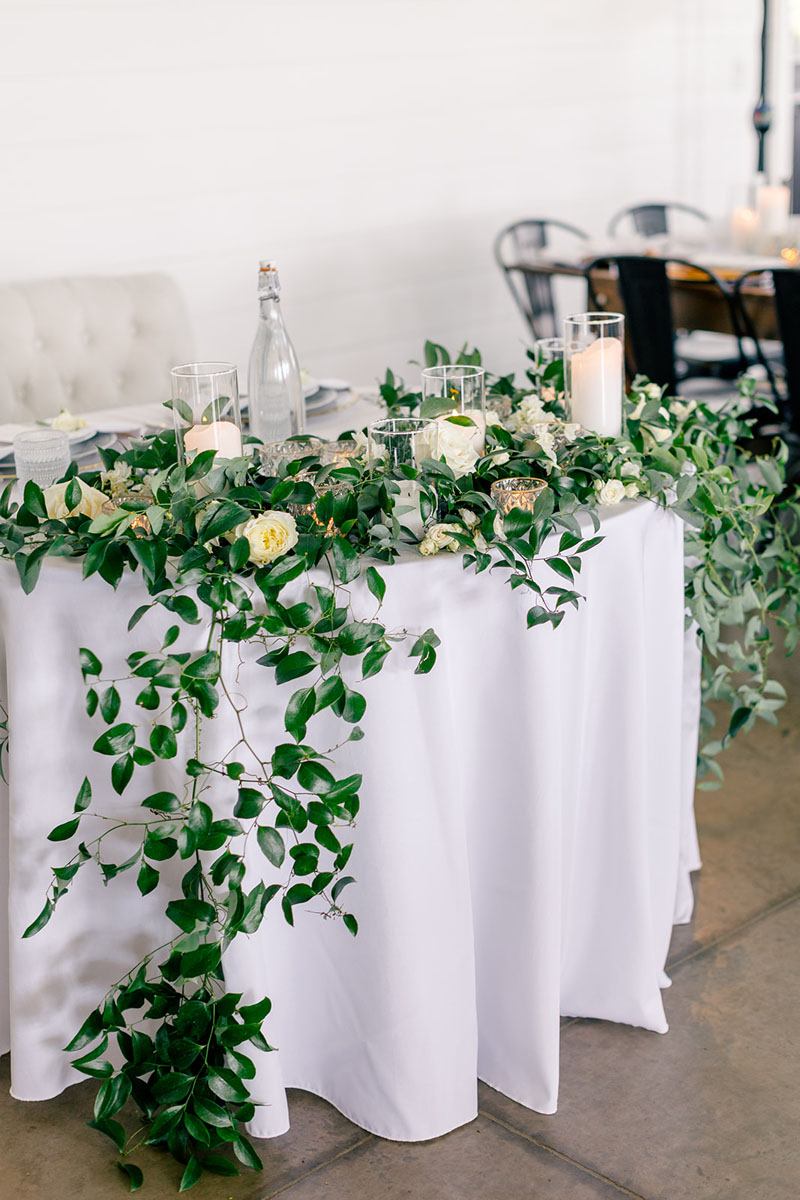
x=708, y=1112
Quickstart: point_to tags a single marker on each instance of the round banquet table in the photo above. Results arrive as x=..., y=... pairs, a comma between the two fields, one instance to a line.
x=523, y=847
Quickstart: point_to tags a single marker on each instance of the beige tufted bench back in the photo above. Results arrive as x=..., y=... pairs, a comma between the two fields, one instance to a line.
x=85, y=343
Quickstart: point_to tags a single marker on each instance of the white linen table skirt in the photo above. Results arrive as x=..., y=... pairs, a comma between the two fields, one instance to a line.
x=523, y=846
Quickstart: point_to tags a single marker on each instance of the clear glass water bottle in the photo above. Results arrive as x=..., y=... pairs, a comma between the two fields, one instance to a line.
x=275, y=390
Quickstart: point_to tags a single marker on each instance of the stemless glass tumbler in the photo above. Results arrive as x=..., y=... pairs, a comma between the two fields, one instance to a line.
x=205, y=409
x=41, y=455
x=455, y=390
x=594, y=371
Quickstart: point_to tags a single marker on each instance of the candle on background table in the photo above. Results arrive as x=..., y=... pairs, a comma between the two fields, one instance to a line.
x=596, y=386
x=743, y=228
x=222, y=436
x=772, y=204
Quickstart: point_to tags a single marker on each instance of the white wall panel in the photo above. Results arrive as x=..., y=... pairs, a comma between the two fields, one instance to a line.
x=374, y=147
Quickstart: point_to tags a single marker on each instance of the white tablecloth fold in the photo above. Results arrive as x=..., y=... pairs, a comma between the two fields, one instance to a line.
x=522, y=849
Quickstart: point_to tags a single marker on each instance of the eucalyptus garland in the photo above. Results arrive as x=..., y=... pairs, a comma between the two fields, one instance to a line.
x=229, y=548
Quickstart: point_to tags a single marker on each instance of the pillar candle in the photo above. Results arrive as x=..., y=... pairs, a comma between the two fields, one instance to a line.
x=222, y=436
x=596, y=386
x=743, y=226
x=773, y=209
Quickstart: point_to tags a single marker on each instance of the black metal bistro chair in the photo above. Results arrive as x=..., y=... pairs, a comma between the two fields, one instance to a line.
x=645, y=289
x=784, y=377
x=516, y=249
x=651, y=220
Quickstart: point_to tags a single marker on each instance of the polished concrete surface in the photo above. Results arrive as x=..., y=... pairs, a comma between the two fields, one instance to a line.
x=707, y=1112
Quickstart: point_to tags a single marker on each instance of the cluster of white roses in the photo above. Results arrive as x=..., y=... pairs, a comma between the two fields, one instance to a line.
x=612, y=491
x=440, y=536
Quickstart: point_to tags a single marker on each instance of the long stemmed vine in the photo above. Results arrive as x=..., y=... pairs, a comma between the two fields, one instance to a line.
x=228, y=567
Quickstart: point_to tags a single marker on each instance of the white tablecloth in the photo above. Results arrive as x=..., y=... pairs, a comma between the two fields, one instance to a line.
x=523, y=845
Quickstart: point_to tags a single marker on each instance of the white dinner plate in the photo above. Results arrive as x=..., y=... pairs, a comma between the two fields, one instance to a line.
x=78, y=435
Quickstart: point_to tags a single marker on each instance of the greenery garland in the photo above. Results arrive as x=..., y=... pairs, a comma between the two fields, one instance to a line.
x=217, y=545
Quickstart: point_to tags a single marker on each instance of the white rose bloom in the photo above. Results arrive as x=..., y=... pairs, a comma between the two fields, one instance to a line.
x=492, y=417
x=66, y=422
x=457, y=444
x=90, y=504
x=271, y=535
x=438, y=537
x=497, y=526
x=653, y=391
x=610, y=492
x=631, y=490
x=481, y=545
x=468, y=517
x=571, y=430
x=500, y=459
x=630, y=469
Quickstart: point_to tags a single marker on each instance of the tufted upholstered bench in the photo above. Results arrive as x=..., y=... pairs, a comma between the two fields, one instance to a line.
x=86, y=343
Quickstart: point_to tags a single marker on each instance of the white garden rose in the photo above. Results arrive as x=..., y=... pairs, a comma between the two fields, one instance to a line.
x=530, y=412
x=271, y=535
x=459, y=445
x=90, y=504
x=501, y=458
x=543, y=435
x=438, y=537
x=630, y=470
x=653, y=391
x=610, y=492
x=469, y=517
x=67, y=422
x=631, y=490
x=571, y=430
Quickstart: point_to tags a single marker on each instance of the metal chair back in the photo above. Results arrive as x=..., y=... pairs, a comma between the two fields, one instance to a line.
x=651, y=220
x=786, y=289
x=645, y=290
x=516, y=249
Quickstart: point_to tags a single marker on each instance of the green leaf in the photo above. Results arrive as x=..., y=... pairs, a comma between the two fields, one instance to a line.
x=219, y=1165
x=314, y=777
x=163, y=742
x=239, y=553
x=64, y=832
x=211, y=1113
x=271, y=844
x=134, y=1174
x=739, y=719
x=122, y=773
x=350, y=923
x=147, y=879
x=109, y=705
x=294, y=665
x=346, y=560
x=116, y=740
x=90, y=663
x=40, y=922
x=204, y=667
x=84, y=797
x=193, y=1170
x=221, y=518
x=246, y=1154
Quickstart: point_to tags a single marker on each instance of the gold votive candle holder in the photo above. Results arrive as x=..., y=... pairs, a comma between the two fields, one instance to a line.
x=339, y=454
x=516, y=492
x=274, y=454
x=337, y=490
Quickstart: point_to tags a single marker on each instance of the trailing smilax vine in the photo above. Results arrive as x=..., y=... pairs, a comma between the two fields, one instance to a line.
x=233, y=558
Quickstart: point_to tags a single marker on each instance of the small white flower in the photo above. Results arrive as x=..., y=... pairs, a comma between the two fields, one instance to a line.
x=631, y=490
x=481, y=544
x=544, y=437
x=548, y=394
x=571, y=430
x=682, y=410
x=637, y=412
x=501, y=458
x=653, y=391
x=631, y=469
x=117, y=480
x=497, y=526
x=530, y=411
x=610, y=492
x=492, y=417
x=468, y=517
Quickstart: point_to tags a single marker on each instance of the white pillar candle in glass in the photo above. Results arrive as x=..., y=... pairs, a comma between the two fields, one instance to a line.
x=458, y=390
x=222, y=436
x=743, y=227
x=205, y=409
x=594, y=368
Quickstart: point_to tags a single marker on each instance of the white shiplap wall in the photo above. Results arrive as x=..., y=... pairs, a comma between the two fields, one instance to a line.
x=373, y=147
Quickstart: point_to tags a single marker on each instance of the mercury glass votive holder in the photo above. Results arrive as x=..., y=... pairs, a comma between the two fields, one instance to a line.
x=339, y=453
x=517, y=492
x=205, y=409
x=337, y=490
x=274, y=454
